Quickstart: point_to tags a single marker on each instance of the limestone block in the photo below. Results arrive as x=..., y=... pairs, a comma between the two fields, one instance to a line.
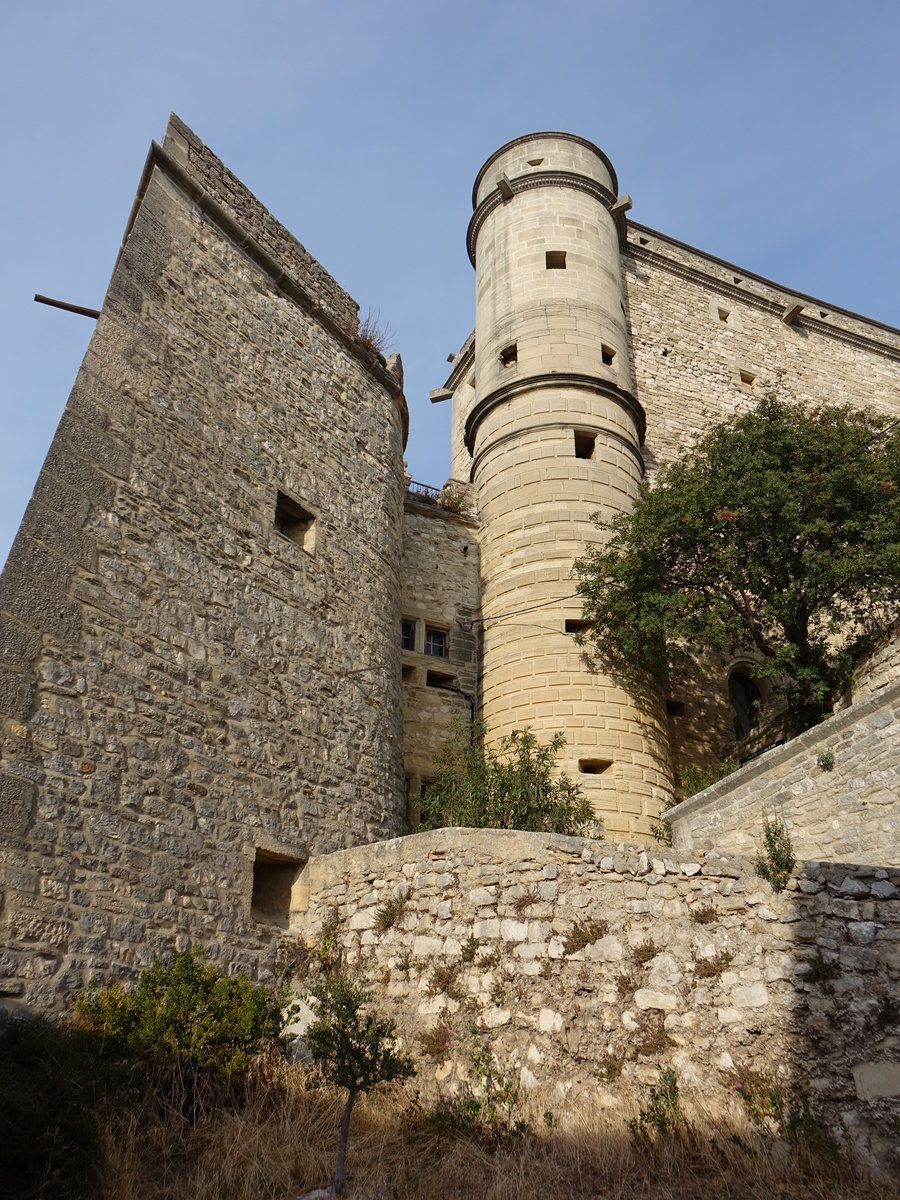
x=877, y=1080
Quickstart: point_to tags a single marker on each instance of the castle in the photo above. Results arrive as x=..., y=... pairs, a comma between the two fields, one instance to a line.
x=233, y=632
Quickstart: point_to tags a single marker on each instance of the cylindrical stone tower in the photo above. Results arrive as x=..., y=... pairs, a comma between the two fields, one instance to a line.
x=555, y=435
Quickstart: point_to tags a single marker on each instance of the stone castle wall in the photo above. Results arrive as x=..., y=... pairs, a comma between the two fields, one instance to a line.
x=197, y=690
x=709, y=339
x=587, y=965
x=440, y=593
x=831, y=811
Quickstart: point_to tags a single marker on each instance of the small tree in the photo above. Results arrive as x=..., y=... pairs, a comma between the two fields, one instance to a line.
x=777, y=534
x=513, y=789
x=355, y=1048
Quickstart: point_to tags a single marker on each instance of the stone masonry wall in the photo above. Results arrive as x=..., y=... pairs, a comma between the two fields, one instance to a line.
x=697, y=324
x=831, y=812
x=440, y=591
x=587, y=965
x=194, y=694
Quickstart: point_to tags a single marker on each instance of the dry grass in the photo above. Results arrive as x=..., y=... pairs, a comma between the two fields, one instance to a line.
x=283, y=1142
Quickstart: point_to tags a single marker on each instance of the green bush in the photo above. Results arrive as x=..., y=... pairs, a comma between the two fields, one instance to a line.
x=514, y=789
x=182, y=1013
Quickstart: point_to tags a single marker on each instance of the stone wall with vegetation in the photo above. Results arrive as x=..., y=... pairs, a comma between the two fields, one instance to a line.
x=836, y=788
x=197, y=690
x=587, y=966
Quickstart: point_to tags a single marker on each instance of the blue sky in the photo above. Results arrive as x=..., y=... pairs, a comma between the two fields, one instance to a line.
x=765, y=133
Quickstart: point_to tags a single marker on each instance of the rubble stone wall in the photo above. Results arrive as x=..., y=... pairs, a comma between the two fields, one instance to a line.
x=197, y=690
x=588, y=965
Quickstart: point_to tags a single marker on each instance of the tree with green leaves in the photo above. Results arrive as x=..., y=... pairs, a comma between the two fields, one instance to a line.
x=354, y=1047
x=510, y=788
x=778, y=535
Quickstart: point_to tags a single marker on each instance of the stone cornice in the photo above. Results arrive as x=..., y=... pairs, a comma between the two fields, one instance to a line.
x=554, y=379
x=722, y=287
x=531, y=137
x=159, y=159
x=524, y=183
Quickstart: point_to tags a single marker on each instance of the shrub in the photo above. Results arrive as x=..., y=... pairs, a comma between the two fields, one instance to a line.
x=183, y=1014
x=775, y=860
x=514, y=788
x=663, y=1113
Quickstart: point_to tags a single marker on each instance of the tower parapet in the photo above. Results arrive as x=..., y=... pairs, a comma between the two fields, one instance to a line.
x=554, y=432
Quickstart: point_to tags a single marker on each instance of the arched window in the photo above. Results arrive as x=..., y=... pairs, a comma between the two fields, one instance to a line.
x=744, y=698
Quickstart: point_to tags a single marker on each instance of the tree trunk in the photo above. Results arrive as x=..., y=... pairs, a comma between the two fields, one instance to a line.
x=342, y=1142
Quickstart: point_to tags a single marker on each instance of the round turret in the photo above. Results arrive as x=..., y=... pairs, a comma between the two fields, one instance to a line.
x=555, y=435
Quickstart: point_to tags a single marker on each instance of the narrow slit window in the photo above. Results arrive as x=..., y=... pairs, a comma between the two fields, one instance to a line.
x=555, y=260
x=274, y=877
x=295, y=523
x=747, y=381
x=594, y=766
x=437, y=642
x=408, y=634
x=535, y=162
x=607, y=354
x=509, y=355
x=584, y=444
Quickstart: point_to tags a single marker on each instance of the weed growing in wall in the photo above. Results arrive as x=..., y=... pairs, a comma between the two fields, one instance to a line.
x=389, y=913
x=712, y=968
x=775, y=860
x=645, y=951
x=583, y=933
x=825, y=759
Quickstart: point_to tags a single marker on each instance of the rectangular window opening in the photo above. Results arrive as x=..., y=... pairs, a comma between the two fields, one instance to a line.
x=747, y=381
x=408, y=674
x=674, y=708
x=436, y=642
x=274, y=876
x=594, y=766
x=295, y=523
x=578, y=625
x=607, y=354
x=584, y=444
x=555, y=260
x=408, y=634
x=438, y=679
x=724, y=314
x=509, y=355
